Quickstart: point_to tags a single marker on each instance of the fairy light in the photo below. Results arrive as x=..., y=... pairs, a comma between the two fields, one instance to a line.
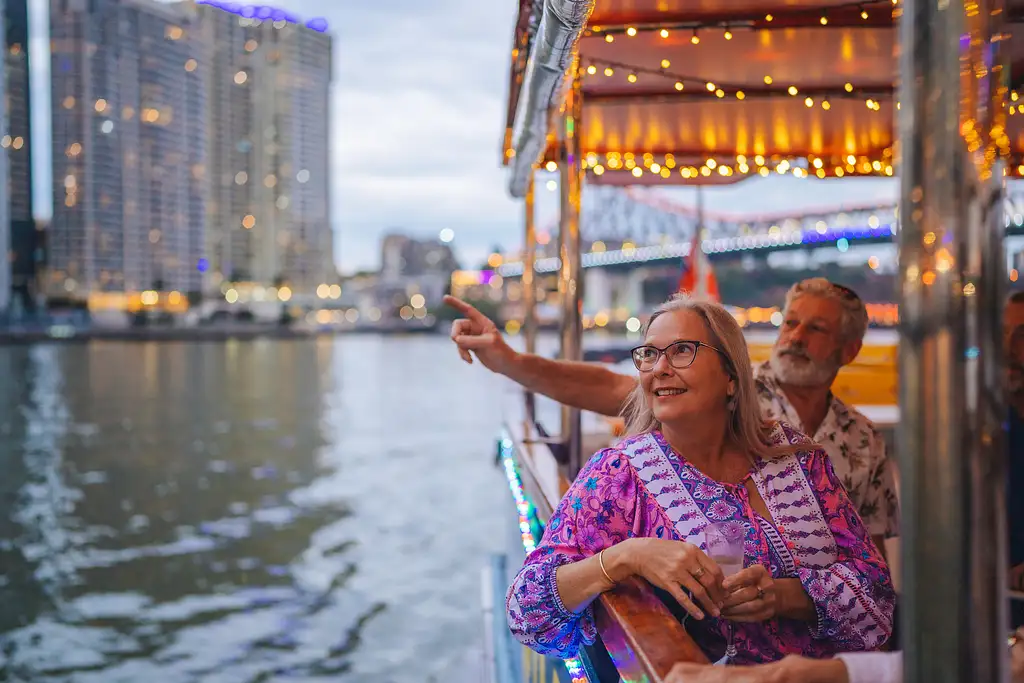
x=528, y=521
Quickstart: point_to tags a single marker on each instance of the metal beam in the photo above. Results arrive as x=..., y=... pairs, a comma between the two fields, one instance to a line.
x=570, y=278
x=530, y=286
x=879, y=15
x=697, y=92
x=951, y=213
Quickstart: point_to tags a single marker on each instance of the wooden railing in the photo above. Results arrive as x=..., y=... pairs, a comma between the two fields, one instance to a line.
x=643, y=638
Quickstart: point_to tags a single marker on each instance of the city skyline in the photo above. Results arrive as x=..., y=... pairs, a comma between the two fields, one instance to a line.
x=417, y=124
x=189, y=148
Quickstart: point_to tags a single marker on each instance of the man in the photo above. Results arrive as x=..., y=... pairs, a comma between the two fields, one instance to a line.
x=859, y=667
x=823, y=329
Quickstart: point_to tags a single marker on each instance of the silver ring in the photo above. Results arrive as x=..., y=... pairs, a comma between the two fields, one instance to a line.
x=699, y=573
x=760, y=594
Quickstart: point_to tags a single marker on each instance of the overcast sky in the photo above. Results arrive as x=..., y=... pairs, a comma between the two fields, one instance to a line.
x=418, y=102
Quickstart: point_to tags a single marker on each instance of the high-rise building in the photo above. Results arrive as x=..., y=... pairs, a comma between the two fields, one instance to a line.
x=129, y=148
x=24, y=243
x=269, y=169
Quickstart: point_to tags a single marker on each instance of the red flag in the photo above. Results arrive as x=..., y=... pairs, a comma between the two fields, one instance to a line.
x=698, y=278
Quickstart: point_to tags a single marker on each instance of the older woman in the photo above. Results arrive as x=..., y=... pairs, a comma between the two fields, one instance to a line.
x=813, y=582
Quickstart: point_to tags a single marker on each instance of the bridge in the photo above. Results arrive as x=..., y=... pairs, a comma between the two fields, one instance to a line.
x=632, y=236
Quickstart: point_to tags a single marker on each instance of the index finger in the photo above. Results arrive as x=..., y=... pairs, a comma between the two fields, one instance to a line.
x=465, y=309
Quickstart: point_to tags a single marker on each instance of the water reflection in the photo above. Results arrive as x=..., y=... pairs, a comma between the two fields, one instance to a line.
x=243, y=511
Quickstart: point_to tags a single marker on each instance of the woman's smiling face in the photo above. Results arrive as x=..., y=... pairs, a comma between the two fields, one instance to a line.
x=677, y=394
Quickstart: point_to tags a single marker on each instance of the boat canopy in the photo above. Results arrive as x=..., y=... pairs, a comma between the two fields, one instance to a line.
x=714, y=91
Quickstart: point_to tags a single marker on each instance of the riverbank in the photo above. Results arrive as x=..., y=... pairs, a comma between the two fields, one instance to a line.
x=211, y=333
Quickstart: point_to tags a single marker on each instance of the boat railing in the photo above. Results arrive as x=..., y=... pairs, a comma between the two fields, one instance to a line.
x=641, y=635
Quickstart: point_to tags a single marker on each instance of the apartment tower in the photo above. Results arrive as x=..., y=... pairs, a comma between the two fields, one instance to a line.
x=269, y=168
x=129, y=148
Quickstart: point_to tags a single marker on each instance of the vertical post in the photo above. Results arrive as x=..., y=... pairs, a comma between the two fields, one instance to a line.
x=983, y=119
x=530, y=288
x=947, y=442
x=570, y=275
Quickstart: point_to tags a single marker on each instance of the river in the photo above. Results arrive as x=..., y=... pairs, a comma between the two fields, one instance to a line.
x=304, y=510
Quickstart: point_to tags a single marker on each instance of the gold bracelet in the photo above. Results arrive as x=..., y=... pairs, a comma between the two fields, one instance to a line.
x=600, y=560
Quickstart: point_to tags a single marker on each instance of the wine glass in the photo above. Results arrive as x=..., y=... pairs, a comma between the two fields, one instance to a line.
x=725, y=547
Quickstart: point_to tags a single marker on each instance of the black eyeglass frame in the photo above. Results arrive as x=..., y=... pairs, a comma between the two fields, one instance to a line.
x=696, y=348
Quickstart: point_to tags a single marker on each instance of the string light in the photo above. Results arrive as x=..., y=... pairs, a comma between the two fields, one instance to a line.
x=695, y=39
x=799, y=167
x=529, y=521
x=791, y=17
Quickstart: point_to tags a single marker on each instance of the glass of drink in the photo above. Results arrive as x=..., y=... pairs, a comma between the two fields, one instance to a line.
x=725, y=545
x=725, y=548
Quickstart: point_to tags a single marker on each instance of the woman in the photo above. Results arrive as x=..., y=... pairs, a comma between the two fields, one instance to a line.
x=814, y=583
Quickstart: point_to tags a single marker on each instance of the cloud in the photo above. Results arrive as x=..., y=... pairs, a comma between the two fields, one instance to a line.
x=418, y=107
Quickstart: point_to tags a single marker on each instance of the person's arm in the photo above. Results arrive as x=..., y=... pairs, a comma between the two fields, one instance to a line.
x=872, y=667
x=588, y=386
x=792, y=669
x=548, y=610
x=854, y=596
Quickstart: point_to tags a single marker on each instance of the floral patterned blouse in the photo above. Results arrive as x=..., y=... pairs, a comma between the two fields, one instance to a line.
x=643, y=488
x=856, y=448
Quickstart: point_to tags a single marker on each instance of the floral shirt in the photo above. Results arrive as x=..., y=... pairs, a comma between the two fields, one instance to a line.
x=644, y=488
x=856, y=448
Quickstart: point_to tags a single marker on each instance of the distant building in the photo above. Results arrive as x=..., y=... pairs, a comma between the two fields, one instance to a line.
x=24, y=243
x=129, y=148
x=413, y=271
x=403, y=256
x=269, y=168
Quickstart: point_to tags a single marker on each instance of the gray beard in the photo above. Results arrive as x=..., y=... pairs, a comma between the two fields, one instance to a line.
x=802, y=373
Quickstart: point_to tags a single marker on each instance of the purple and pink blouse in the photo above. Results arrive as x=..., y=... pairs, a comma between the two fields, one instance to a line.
x=644, y=488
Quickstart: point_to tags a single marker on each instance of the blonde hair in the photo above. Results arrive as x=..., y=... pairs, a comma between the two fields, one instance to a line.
x=746, y=427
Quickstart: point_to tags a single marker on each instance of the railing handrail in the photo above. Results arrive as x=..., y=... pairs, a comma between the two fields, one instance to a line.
x=641, y=635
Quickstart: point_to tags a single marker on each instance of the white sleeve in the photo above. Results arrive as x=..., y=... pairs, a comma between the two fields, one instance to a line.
x=873, y=667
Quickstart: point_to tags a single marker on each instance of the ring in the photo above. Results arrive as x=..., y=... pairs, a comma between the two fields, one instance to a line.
x=699, y=573
x=760, y=594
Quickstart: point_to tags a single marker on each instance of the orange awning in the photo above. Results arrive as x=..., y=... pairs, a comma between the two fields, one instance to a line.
x=713, y=91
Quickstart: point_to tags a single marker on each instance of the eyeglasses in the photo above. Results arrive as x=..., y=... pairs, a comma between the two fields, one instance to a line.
x=680, y=354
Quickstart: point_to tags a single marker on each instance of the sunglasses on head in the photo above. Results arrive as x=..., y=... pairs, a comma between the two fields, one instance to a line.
x=845, y=291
